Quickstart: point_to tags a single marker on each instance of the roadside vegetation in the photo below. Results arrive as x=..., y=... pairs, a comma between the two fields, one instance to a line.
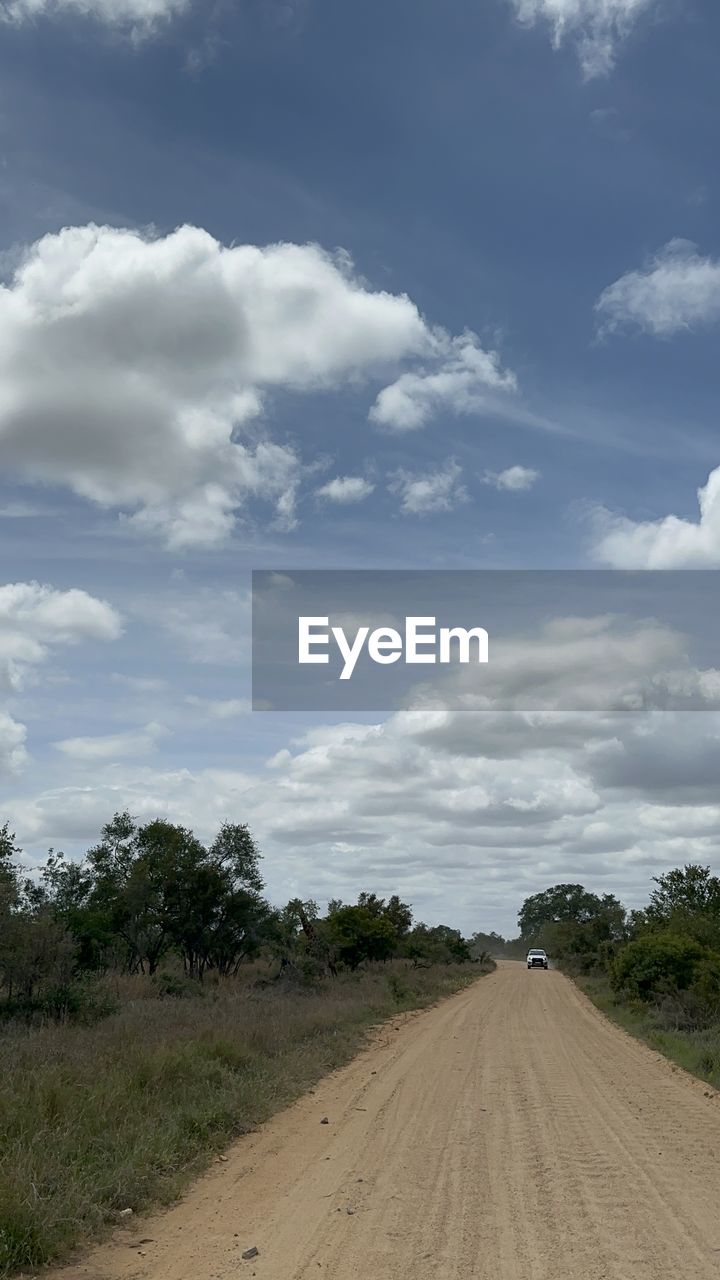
x=153, y=1006
x=656, y=972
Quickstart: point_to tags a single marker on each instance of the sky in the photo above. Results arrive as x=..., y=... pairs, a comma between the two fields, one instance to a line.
x=298, y=284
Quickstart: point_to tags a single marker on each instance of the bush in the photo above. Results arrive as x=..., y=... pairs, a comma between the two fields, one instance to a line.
x=176, y=985
x=660, y=963
x=80, y=1003
x=399, y=987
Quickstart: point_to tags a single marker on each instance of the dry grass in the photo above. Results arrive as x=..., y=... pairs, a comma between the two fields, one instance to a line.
x=697, y=1051
x=121, y=1114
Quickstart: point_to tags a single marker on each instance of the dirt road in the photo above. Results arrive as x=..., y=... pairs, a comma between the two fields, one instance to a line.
x=509, y=1134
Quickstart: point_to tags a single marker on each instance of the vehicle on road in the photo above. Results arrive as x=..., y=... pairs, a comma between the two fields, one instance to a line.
x=537, y=959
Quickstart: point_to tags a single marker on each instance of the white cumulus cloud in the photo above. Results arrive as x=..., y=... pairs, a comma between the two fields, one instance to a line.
x=595, y=27
x=515, y=479
x=346, y=489
x=463, y=379
x=677, y=290
x=133, y=369
x=35, y=619
x=12, y=744
x=429, y=492
x=669, y=543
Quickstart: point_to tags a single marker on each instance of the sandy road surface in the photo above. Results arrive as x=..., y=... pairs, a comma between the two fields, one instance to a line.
x=511, y=1133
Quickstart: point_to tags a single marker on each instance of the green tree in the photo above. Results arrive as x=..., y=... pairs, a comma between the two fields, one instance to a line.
x=9, y=900
x=659, y=963
x=398, y=913
x=437, y=945
x=357, y=935
x=491, y=944
x=66, y=888
x=686, y=900
x=560, y=904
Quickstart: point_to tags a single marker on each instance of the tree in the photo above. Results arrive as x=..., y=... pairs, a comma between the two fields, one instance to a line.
x=9, y=899
x=659, y=963
x=398, y=913
x=157, y=888
x=573, y=924
x=9, y=878
x=400, y=916
x=561, y=903
x=204, y=902
x=686, y=900
x=66, y=888
x=36, y=951
x=437, y=945
x=357, y=935
x=491, y=944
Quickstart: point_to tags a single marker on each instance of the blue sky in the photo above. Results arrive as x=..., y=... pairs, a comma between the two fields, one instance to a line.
x=506, y=201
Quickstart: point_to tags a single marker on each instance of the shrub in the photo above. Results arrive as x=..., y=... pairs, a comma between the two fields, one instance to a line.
x=399, y=987
x=176, y=985
x=82, y=1003
x=658, y=963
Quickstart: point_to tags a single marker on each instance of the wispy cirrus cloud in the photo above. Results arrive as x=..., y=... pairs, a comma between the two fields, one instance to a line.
x=112, y=746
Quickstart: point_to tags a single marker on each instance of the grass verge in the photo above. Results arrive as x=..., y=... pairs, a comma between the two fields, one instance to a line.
x=123, y=1114
x=697, y=1051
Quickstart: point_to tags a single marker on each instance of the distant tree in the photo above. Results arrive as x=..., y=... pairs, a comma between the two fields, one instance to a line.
x=492, y=944
x=9, y=875
x=303, y=939
x=66, y=888
x=398, y=913
x=400, y=916
x=437, y=945
x=36, y=951
x=561, y=903
x=144, y=891
x=9, y=899
x=357, y=935
x=573, y=925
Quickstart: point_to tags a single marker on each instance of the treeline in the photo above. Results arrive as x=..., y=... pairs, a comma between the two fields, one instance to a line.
x=666, y=955
x=154, y=899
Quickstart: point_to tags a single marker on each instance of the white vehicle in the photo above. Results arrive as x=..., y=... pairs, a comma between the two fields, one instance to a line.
x=537, y=959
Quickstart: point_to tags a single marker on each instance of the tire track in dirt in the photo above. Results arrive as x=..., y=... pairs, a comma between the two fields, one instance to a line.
x=511, y=1133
